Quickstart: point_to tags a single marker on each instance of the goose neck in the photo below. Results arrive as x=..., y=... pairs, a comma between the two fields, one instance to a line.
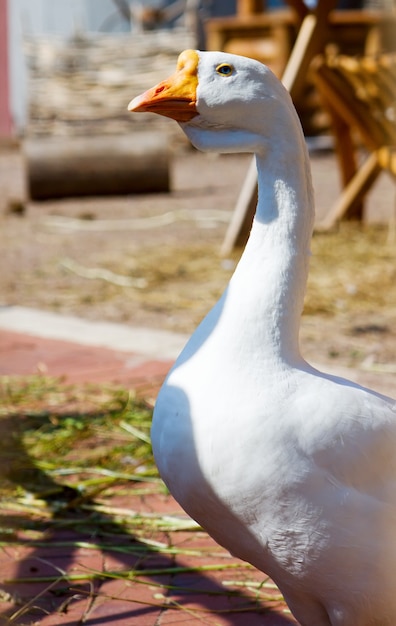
x=271, y=277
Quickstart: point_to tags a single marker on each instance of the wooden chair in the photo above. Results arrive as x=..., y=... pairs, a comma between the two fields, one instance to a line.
x=360, y=95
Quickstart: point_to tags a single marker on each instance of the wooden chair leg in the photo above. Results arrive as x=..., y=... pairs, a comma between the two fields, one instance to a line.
x=346, y=155
x=241, y=222
x=353, y=192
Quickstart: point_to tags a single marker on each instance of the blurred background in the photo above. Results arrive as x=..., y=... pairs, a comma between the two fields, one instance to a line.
x=40, y=38
x=113, y=216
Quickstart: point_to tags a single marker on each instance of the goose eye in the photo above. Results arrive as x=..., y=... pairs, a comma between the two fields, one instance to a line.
x=225, y=69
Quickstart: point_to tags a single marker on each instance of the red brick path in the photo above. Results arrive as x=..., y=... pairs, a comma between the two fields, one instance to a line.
x=194, y=599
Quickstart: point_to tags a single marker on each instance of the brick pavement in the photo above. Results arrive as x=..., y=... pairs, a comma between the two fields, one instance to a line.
x=192, y=597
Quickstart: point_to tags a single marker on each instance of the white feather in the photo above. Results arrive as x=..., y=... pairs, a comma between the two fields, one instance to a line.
x=290, y=469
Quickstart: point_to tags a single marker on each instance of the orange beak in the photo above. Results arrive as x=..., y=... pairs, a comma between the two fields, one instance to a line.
x=175, y=96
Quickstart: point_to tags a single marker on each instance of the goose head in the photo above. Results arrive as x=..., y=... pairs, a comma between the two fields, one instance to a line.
x=223, y=102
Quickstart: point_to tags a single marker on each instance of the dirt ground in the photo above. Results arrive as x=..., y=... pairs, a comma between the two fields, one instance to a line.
x=153, y=260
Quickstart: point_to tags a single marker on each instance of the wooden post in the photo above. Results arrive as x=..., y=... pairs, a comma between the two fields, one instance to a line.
x=249, y=7
x=346, y=154
x=5, y=113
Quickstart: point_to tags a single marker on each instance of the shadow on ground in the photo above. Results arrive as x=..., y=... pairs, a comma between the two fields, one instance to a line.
x=50, y=548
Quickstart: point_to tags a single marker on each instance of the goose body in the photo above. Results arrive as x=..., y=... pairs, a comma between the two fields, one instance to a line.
x=288, y=468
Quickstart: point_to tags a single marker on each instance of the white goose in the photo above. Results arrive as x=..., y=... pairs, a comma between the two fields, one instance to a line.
x=290, y=469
